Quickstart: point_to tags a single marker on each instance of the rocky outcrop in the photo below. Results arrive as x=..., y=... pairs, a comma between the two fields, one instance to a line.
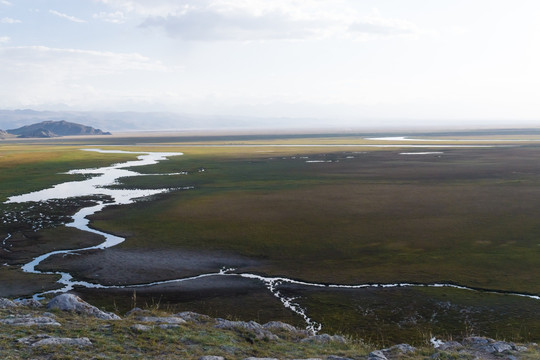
x=6, y=303
x=252, y=328
x=162, y=319
x=70, y=302
x=29, y=320
x=46, y=340
x=324, y=339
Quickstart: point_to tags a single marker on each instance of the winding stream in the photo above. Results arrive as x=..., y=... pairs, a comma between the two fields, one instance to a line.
x=106, y=176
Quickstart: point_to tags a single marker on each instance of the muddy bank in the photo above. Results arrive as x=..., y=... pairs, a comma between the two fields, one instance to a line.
x=117, y=266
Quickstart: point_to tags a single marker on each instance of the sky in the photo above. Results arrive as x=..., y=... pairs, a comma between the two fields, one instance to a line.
x=352, y=61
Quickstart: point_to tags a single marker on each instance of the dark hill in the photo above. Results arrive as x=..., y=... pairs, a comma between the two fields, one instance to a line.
x=47, y=129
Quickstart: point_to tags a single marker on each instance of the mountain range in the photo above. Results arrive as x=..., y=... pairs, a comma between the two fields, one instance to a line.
x=49, y=129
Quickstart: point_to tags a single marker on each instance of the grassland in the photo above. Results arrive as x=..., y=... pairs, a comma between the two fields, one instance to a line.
x=359, y=215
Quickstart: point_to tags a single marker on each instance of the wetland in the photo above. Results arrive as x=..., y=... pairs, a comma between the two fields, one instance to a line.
x=258, y=229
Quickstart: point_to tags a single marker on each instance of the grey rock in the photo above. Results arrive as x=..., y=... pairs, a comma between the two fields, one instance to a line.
x=450, y=345
x=168, y=326
x=194, y=317
x=279, y=326
x=501, y=346
x=28, y=320
x=70, y=302
x=31, y=303
x=377, y=355
x=335, y=357
x=252, y=327
x=46, y=340
x=324, y=339
x=476, y=340
x=309, y=359
x=63, y=341
x=162, y=319
x=141, y=327
x=520, y=348
x=6, y=303
x=401, y=349
x=211, y=357
x=256, y=358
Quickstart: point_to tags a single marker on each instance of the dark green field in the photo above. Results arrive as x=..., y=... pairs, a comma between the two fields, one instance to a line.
x=361, y=215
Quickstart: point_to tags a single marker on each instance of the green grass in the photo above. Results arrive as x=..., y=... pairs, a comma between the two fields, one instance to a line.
x=468, y=217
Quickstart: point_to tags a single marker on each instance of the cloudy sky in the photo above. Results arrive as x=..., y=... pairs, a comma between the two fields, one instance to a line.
x=345, y=60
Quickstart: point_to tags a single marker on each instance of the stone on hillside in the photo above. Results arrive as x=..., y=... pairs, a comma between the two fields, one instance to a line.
x=501, y=346
x=256, y=358
x=162, y=319
x=377, y=355
x=252, y=327
x=194, y=317
x=28, y=320
x=70, y=302
x=399, y=349
x=335, y=357
x=141, y=327
x=168, y=326
x=280, y=326
x=211, y=357
x=450, y=345
x=6, y=303
x=476, y=340
x=46, y=340
x=31, y=303
x=324, y=339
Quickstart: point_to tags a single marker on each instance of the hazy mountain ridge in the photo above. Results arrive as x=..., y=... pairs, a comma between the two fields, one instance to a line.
x=48, y=129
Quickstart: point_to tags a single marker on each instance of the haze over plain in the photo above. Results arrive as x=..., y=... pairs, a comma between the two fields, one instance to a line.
x=318, y=62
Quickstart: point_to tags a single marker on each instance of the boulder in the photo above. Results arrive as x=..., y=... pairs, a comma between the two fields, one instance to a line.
x=501, y=346
x=28, y=320
x=194, y=317
x=31, y=303
x=280, y=326
x=162, y=319
x=324, y=339
x=211, y=357
x=70, y=302
x=399, y=349
x=450, y=345
x=6, y=303
x=335, y=357
x=46, y=340
x=141, y=327
x=251, y=327
x=377, y=355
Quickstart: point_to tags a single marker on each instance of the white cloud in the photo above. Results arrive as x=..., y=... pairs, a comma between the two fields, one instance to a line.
x=4, y=39
x=41, y=75
x=7, y=20
x=244, y=20
x=376, y=25
x=5, y=2
x=67, y=17
x=116, y=17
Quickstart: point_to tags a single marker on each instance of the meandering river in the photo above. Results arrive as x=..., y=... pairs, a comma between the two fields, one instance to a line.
x=98, y=184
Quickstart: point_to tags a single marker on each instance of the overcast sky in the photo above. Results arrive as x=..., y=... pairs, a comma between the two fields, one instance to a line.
x=347, y=60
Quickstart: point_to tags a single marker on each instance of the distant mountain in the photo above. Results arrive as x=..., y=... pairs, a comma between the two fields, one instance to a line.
x=48, y=129
x=3, y=134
